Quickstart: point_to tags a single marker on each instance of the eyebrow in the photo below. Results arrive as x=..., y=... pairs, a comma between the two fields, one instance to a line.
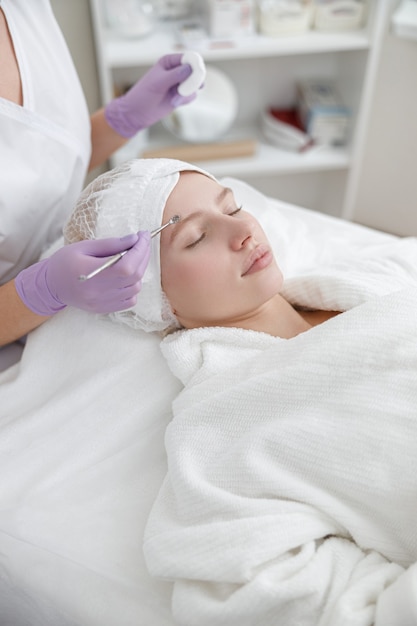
x=179, y=225
x=225, y=191
x=222, y=194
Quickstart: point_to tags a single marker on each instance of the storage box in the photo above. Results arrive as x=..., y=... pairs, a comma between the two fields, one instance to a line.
x=323, y=115
x=279, y=18
x=339, y=15
x=230, y=18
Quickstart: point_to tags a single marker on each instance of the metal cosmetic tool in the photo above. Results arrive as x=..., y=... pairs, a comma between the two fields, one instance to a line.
x=116, y=257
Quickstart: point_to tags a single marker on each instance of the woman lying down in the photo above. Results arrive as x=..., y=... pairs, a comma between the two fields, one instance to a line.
x=291, y=492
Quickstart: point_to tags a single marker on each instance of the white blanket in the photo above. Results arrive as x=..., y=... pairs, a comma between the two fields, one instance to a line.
x=291, y=494
x=82, y=422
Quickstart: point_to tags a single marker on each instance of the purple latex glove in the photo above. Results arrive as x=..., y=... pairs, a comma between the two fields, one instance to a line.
x=153, y=97
x=50, y=285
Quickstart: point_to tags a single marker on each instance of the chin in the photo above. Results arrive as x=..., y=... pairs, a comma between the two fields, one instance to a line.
x=274, y=282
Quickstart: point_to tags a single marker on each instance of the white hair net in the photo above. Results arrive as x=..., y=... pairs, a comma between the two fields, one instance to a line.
x=127, y=199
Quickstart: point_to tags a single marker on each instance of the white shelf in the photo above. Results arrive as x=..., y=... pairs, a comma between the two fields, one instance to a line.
x=267, y=160
x=273, y=65
x=142, y=52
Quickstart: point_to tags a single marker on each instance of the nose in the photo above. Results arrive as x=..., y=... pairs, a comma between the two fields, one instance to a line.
x=241, y=233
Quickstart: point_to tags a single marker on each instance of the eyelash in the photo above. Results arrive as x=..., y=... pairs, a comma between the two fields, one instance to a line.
x=195, y=243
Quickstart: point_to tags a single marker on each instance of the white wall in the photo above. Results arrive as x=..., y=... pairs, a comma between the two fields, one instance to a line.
x=386, y=194
x=75, y=21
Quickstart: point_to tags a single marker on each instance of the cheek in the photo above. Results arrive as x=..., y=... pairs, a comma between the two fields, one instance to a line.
x=180, y=276
x=192, y=276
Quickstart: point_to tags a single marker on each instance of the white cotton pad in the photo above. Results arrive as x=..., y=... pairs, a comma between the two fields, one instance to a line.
x=197, y=76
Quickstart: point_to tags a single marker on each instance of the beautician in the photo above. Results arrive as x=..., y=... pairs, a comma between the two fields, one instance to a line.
x=48, y=143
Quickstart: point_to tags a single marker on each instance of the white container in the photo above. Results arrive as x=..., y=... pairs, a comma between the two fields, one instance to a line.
x=130, y=18
x=172, y=9
x=339, y=15
x=284, y=17
x=230, y=18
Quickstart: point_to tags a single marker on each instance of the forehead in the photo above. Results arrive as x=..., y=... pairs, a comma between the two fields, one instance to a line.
x=193, y=191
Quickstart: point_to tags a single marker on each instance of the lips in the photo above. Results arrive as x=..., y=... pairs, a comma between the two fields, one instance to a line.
x=257, y=260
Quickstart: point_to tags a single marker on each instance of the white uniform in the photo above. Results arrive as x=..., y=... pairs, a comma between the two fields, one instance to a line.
x=45, y=144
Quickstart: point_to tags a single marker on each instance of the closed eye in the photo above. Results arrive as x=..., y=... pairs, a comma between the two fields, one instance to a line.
x=197, y=241
x=203, y=235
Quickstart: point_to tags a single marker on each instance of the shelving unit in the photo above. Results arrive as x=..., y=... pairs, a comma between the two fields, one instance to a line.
x=125, y=53
x=264, y=71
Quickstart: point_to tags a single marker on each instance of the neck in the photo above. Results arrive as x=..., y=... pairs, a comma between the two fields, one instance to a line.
x=277, y=317
x=282, y=320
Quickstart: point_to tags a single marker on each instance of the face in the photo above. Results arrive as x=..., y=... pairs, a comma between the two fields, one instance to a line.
x=217, y=266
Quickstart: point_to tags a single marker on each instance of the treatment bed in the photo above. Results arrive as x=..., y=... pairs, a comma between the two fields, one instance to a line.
x=82, y=424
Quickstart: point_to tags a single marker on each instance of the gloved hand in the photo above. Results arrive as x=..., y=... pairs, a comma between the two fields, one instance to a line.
x=48, y=286
x=153, y=97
